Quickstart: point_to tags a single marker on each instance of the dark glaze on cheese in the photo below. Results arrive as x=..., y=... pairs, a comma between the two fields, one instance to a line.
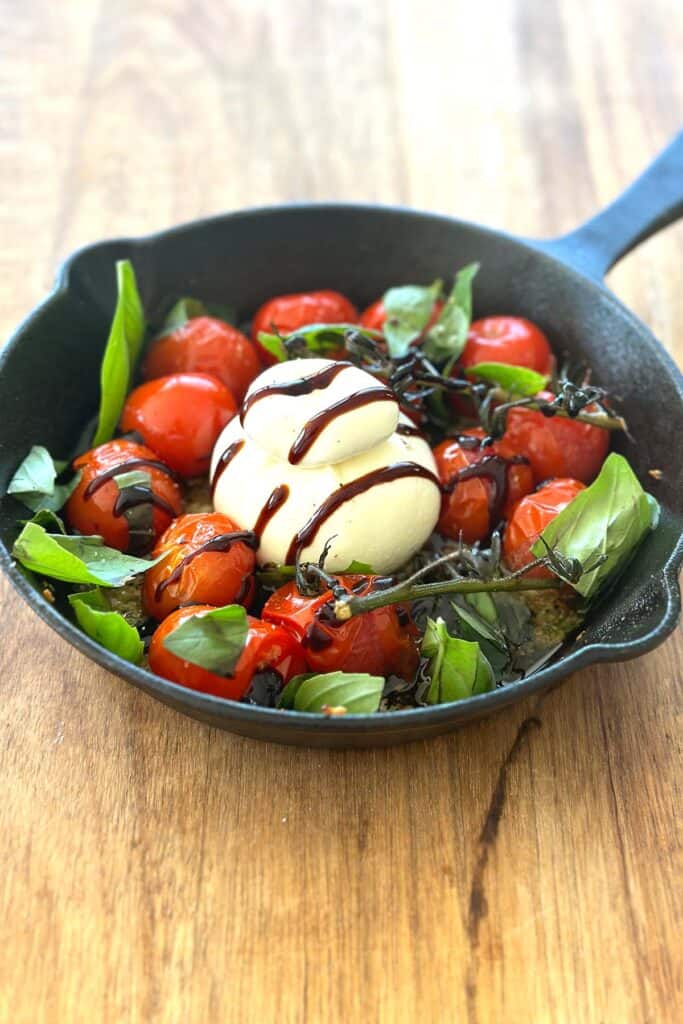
x=300, y=386
x=276, y=500
x=315, y=426
x=383, y=475
x=225, y=459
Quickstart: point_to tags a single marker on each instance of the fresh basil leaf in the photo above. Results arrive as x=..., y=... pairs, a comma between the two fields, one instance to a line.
x=609, y=518
x=213, y=640
x=358, y=692
x=357, y=569
x=189, y=309
x=446, y=340
x=48, y=520
x=273, y=343
x=321, y=339
x=75, y=559
x=120, y=355
x=34, y=483
x=518, y=380
x=133, y=478
x=107, y=627
x=457, y=668
x=408, y=310
x=472, y=626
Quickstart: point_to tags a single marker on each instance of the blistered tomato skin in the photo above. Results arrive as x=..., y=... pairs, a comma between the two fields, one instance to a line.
x=529, y=519
x=507, y=339
x=286, y=313
x=381, y=642
x=267, y=648
x=220, y=576
x=179, y=417
x=205, y=345
x=375, y=316
x=557, y=446
x=468, y=508
x=92, y=508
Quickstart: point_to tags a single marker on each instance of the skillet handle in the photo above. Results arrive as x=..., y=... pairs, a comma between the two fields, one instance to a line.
x=654, y=200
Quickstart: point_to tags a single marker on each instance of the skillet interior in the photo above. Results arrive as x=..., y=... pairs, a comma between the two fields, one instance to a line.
x=49, y=387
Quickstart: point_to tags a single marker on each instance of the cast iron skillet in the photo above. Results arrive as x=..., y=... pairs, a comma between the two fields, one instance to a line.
x=49, y=388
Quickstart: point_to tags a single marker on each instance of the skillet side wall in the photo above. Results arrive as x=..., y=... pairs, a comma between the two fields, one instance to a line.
x=49, y=375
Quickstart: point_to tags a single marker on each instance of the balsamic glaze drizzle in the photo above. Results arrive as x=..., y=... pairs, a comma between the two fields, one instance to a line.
x=493, y=468
x=315, y=426
x=221, y=543
x=125, y=467
x=225, y=459
x=300, y=386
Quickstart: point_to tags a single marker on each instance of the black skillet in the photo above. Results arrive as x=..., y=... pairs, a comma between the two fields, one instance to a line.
x=50, y=367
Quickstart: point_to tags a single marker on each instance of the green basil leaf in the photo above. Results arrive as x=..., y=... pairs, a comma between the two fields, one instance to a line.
x=321, y=339
x=120, y=355
x=189, y=309
x=446, y=339
x=48, y=520
x=472, y=626
x=357, y=569
x=457, y=668
x=107, y=627
x=214, y=640
x=358, y=692
x=518, y=380
x=408, y=310
x=610, y=518
x=75, y=559
x=132, y=478
x=273, y=343
x=34, y=483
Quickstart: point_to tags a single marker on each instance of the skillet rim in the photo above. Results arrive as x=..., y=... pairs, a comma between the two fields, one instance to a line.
x=386, y=722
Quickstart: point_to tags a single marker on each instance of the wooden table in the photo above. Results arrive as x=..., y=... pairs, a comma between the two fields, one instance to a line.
x=523, y=870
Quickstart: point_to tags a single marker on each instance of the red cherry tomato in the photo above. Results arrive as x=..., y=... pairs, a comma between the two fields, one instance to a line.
x=507, y=339
x=97, y=506
x=286, y=313
x=209, y=560
x=557, y=445
x=530, y=517
x=267, y=649
x=375, y=315
x=473, y=507
x=382, y=642
x=205, y=345
x=179, y=417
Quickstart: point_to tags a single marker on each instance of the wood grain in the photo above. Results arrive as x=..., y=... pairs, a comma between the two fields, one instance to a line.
x=156, y=870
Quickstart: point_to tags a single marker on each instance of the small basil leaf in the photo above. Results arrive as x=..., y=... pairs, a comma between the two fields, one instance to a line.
x=48, y=520
x=121, y=353
x=357, y=692
x=213, y=640
x=408, y=309
x=107, y=627
x=457, y=668
x=446, y=340
x=133, y=478
x=518, y=380
x=273, y=343
x=34, y=483
x=189, y=309
x=474, y=627
x=609, y=518
x=357, y=569
x=75, y=559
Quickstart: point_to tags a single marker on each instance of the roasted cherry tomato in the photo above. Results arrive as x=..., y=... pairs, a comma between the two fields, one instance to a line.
x=557, y=445
x=205, y=345
x=179, y=417
x=375, y=315
x=209, y=560
x=286, y=313
x=382, y=642
x=507, y=339
x=129, y=518
x=268, y=648
x=529, y=519
x=495, y=478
